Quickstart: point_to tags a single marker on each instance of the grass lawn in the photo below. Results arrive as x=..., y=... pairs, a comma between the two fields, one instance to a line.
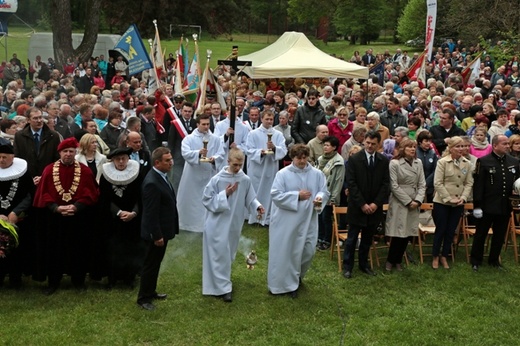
x=18, y=42
x=418, y=306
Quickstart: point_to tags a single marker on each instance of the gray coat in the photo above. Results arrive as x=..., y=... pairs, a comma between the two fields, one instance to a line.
x=407, y=184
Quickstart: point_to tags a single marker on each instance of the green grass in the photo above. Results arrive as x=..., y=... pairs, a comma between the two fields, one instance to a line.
x=418, y=306
x=18, y=42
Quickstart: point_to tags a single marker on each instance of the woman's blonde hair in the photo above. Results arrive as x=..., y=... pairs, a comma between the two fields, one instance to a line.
x=84, y=143
x=453, y=142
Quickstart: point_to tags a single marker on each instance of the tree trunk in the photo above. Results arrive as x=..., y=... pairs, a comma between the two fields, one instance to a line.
x=61, y=23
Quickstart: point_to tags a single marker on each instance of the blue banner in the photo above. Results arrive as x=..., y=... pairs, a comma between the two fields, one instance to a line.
x=379, y=72
x=131, y=47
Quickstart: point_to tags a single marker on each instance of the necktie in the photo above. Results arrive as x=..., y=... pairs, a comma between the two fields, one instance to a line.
x=37, y=142
x=253, y=126
x=371, y=161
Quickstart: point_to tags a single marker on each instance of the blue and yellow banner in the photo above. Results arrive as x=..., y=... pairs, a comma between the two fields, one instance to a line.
x=131, y=47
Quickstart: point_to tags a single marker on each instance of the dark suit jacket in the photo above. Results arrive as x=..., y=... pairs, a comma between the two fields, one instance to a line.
x=145, y=162
x=175, y=141
x=493, y=185
x=63, y=128
x=160, y=218
x=24, y=148
x=439, y=134
x=367, y=185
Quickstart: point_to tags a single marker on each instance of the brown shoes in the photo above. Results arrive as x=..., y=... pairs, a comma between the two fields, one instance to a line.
x=444, y=262
x=435, y=263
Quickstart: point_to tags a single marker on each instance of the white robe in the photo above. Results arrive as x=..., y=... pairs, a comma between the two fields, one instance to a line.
x=294, y=226
x=262, y=169
x=223, y=227
x=241, y=132
x=194, y=178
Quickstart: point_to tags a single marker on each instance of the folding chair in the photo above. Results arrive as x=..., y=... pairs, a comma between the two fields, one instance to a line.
x=426, y=228
x=468, y=230
x=514, y=231
x=341, y=235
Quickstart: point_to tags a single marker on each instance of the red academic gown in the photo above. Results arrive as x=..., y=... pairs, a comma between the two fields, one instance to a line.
x=65, y=243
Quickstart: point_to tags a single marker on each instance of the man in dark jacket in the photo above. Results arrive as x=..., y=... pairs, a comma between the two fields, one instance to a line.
x=159, y=223
x=307, y=118
x=86, y=82
x=368, y=184
x=445, y=130
x=495, y=175
x=37, y=144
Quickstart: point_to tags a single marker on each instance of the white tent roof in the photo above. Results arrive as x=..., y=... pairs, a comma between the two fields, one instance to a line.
x=293, y=55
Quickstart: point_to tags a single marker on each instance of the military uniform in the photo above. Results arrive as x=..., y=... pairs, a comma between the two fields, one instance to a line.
x=494, y=179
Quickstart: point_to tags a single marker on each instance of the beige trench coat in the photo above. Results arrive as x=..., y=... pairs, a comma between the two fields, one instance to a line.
x=407, y=184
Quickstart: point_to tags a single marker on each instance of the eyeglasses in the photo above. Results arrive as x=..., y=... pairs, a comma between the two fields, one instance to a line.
x=342, y=114
x=312, y=98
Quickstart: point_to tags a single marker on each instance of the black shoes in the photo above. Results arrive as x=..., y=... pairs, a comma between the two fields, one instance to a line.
x=147, y=306
x=228, y=298
x=368, y=271
x=347, y=274
x=160, y=296
x=498, y=266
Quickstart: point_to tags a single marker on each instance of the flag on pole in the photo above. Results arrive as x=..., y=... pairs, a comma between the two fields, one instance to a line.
x=131, y=46
x=201, y=97
x=185, y=58
x=471, y=72
x=379, y=71
x=431, y=19
x=177, y=85
x=157, y=55
x=414, y=70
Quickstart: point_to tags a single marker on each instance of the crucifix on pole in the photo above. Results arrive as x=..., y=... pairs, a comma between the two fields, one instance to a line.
x=235, y=64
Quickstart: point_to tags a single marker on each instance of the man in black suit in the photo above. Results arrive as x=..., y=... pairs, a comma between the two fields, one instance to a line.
x=180, y=128
x=495, y=175
x=134, y=141
x=159, y=223
x=216, y=116
x=368, y=181
x=86, y=82
x=368, y=58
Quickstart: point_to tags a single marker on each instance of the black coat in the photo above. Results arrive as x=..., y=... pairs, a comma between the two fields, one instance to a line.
x=439, y=134
x=367, y=185
x=159, y=217
x=493, y=184
x=24, y=148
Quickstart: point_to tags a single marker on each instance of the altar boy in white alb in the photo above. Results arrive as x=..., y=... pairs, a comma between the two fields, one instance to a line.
x=226, y=197
x=299, y=192
x=262, y=161
x=197, y=174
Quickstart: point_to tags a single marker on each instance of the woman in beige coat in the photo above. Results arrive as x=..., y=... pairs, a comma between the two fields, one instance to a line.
x=453, y=182
x=407, y=191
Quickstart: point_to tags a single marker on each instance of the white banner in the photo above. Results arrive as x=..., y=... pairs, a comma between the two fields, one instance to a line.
x=431, y=18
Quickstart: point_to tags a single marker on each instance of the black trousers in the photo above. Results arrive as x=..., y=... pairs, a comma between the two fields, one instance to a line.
x=367, y=234
x=499, y=224
x=396, y=250
x=152, y=264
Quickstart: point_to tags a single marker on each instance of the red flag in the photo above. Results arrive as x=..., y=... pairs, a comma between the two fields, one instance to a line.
x=413, y=71
x=470, y=73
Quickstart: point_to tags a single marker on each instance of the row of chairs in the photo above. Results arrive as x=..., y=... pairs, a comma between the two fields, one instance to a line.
x=465, y=230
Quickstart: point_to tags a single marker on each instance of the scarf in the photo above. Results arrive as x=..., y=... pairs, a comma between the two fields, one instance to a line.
x=479, y=145
x=324, y=159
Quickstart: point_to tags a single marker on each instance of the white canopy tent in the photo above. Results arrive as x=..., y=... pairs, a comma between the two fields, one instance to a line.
x=293, y=55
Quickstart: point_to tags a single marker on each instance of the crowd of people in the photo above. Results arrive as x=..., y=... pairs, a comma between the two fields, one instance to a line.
x=91, y=162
